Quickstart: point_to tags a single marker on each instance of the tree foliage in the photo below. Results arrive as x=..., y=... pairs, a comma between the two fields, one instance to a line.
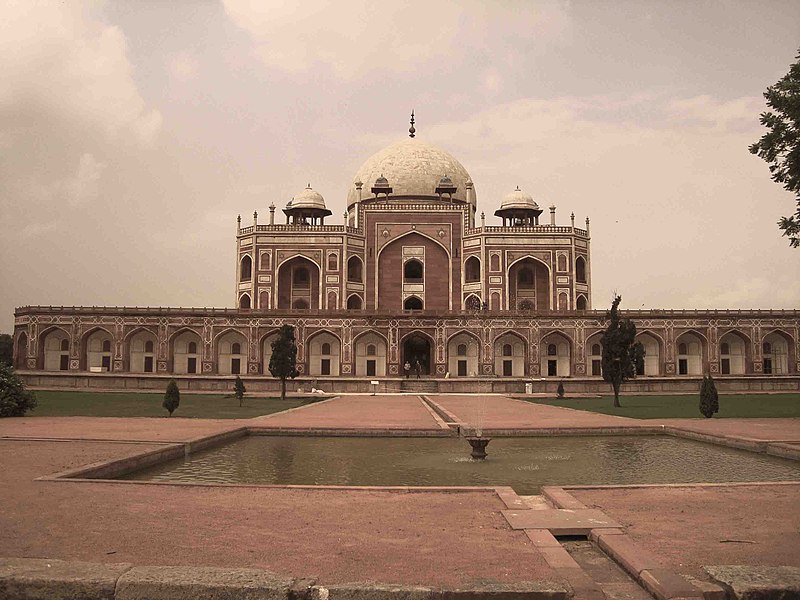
x=283, y=362
x=6, y=349
x=15, y=400
x=780, y=146
x=172, y=398
x=709, y=399
x=239, y=390
x=622, y=354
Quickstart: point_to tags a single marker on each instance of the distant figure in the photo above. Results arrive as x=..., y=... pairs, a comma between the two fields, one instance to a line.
x=407, y=368
x=417, y=367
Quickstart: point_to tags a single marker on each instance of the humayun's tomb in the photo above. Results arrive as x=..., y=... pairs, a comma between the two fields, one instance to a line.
x=414, y=274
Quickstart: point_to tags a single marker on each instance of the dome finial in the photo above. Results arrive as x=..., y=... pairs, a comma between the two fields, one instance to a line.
x=411, y=130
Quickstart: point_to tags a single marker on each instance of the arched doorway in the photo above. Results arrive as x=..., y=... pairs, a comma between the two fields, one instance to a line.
x=21, y=355
x=417, y=347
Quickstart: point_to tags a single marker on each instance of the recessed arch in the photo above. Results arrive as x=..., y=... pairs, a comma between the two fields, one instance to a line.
x=139, y=357
x=298, y=277
x=185, y=350
x=581, y=303
x=594, y=354
x=735, y=356
x=653, y=346
x=244, y=301
x=777, y=352
x=324, y=350
x=246, y=268
x=463, y=354
x=417, y=345
x=51, y=355
x=413, y=303
x=538, y=291
x=691, y=348
x=370, y=354
x=510, y=354
x=580, y=269
x=556, y=354
x=473, y=302
x=472, y=269
x=413, y=270
x=230, y=349
x=96, y=347
x=21, y=351
x=355, y=269
x=354, y=302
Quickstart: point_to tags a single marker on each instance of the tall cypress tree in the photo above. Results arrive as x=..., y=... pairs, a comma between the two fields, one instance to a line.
x=283, y=362
x=622, y=354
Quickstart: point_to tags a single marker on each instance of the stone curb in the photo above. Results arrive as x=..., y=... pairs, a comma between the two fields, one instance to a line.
x=756, y=583
x=189, y=583
x=533, y=590
x=46, y=579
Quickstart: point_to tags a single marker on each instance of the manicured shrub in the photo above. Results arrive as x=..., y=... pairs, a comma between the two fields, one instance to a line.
x=560, y=390
x=239, y=390
x=15, y=400
x=172, y=398
x=709, y=399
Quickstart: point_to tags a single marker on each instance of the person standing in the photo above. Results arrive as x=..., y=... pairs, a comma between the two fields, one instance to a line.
x=407, y=369
x=417, y=367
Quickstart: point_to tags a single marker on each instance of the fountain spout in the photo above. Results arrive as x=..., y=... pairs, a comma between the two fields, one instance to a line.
x=478, y=444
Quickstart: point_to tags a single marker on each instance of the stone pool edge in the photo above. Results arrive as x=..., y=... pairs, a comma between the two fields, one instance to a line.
x=52, y=579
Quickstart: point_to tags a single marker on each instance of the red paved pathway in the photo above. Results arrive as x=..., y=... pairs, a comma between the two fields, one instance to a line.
x=691, y=526
x=166, y=429
x=501, y=412
x=362, y=412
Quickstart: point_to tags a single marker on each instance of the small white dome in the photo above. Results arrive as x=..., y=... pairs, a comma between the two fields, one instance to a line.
x=518, y=199
x=308, y=198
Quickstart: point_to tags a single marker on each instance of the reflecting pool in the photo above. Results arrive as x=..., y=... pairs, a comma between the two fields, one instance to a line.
x=525, y=464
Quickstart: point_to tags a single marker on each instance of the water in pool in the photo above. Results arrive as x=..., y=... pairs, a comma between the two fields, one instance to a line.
x=525, y=464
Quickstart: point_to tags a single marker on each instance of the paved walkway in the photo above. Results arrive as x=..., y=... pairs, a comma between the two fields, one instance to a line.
x=360, y=412
x=687, y=527
x=501, y=412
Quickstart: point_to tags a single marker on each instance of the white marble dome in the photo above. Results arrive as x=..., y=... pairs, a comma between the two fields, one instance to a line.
x=308, y=198
x=518, y=199
x=413, y=168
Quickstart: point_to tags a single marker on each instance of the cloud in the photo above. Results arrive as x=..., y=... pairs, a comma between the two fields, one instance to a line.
x=360, y=36
x=83, y=186
x=60, y=61
x=183, y=67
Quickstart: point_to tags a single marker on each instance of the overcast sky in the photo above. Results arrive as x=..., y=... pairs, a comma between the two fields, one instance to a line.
x=132, y=134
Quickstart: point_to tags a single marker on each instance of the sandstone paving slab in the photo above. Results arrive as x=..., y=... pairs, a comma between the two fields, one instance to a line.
x=687, y=527
x=437, y=539
x=49, y=579
x=384, y=411
x=559, y=521
x=166, y=429
x=757, y=583
x=502, y=412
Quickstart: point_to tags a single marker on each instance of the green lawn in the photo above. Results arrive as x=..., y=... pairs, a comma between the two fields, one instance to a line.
x=682, y=407
x=125, y=404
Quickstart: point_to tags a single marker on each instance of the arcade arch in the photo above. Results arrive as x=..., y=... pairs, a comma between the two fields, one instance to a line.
x=298, y=284
x=370, y=355
x=689, y=354
x=323, y=354
x=652, y=354
x=417, y=346
x=56, y=347
x=462, y=355
x=776, y=349
x=231, y=353
x=529, y=283
x=733, y=353
x=186, y=355
x=98, y=348
x=555, y=352
x=509, y=356
x=142, y=352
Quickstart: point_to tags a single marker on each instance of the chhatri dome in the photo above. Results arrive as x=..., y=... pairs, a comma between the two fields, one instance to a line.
x=413, y=168
x=518, y=199
x=308, y=198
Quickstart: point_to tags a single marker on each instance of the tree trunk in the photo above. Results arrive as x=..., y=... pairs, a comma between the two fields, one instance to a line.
x=616, y=395
x=283, y=388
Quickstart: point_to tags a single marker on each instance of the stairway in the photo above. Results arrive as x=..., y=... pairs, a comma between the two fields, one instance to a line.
x=425, y=386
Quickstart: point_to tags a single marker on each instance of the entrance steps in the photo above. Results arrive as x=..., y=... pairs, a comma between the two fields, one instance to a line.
x=425, y=386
